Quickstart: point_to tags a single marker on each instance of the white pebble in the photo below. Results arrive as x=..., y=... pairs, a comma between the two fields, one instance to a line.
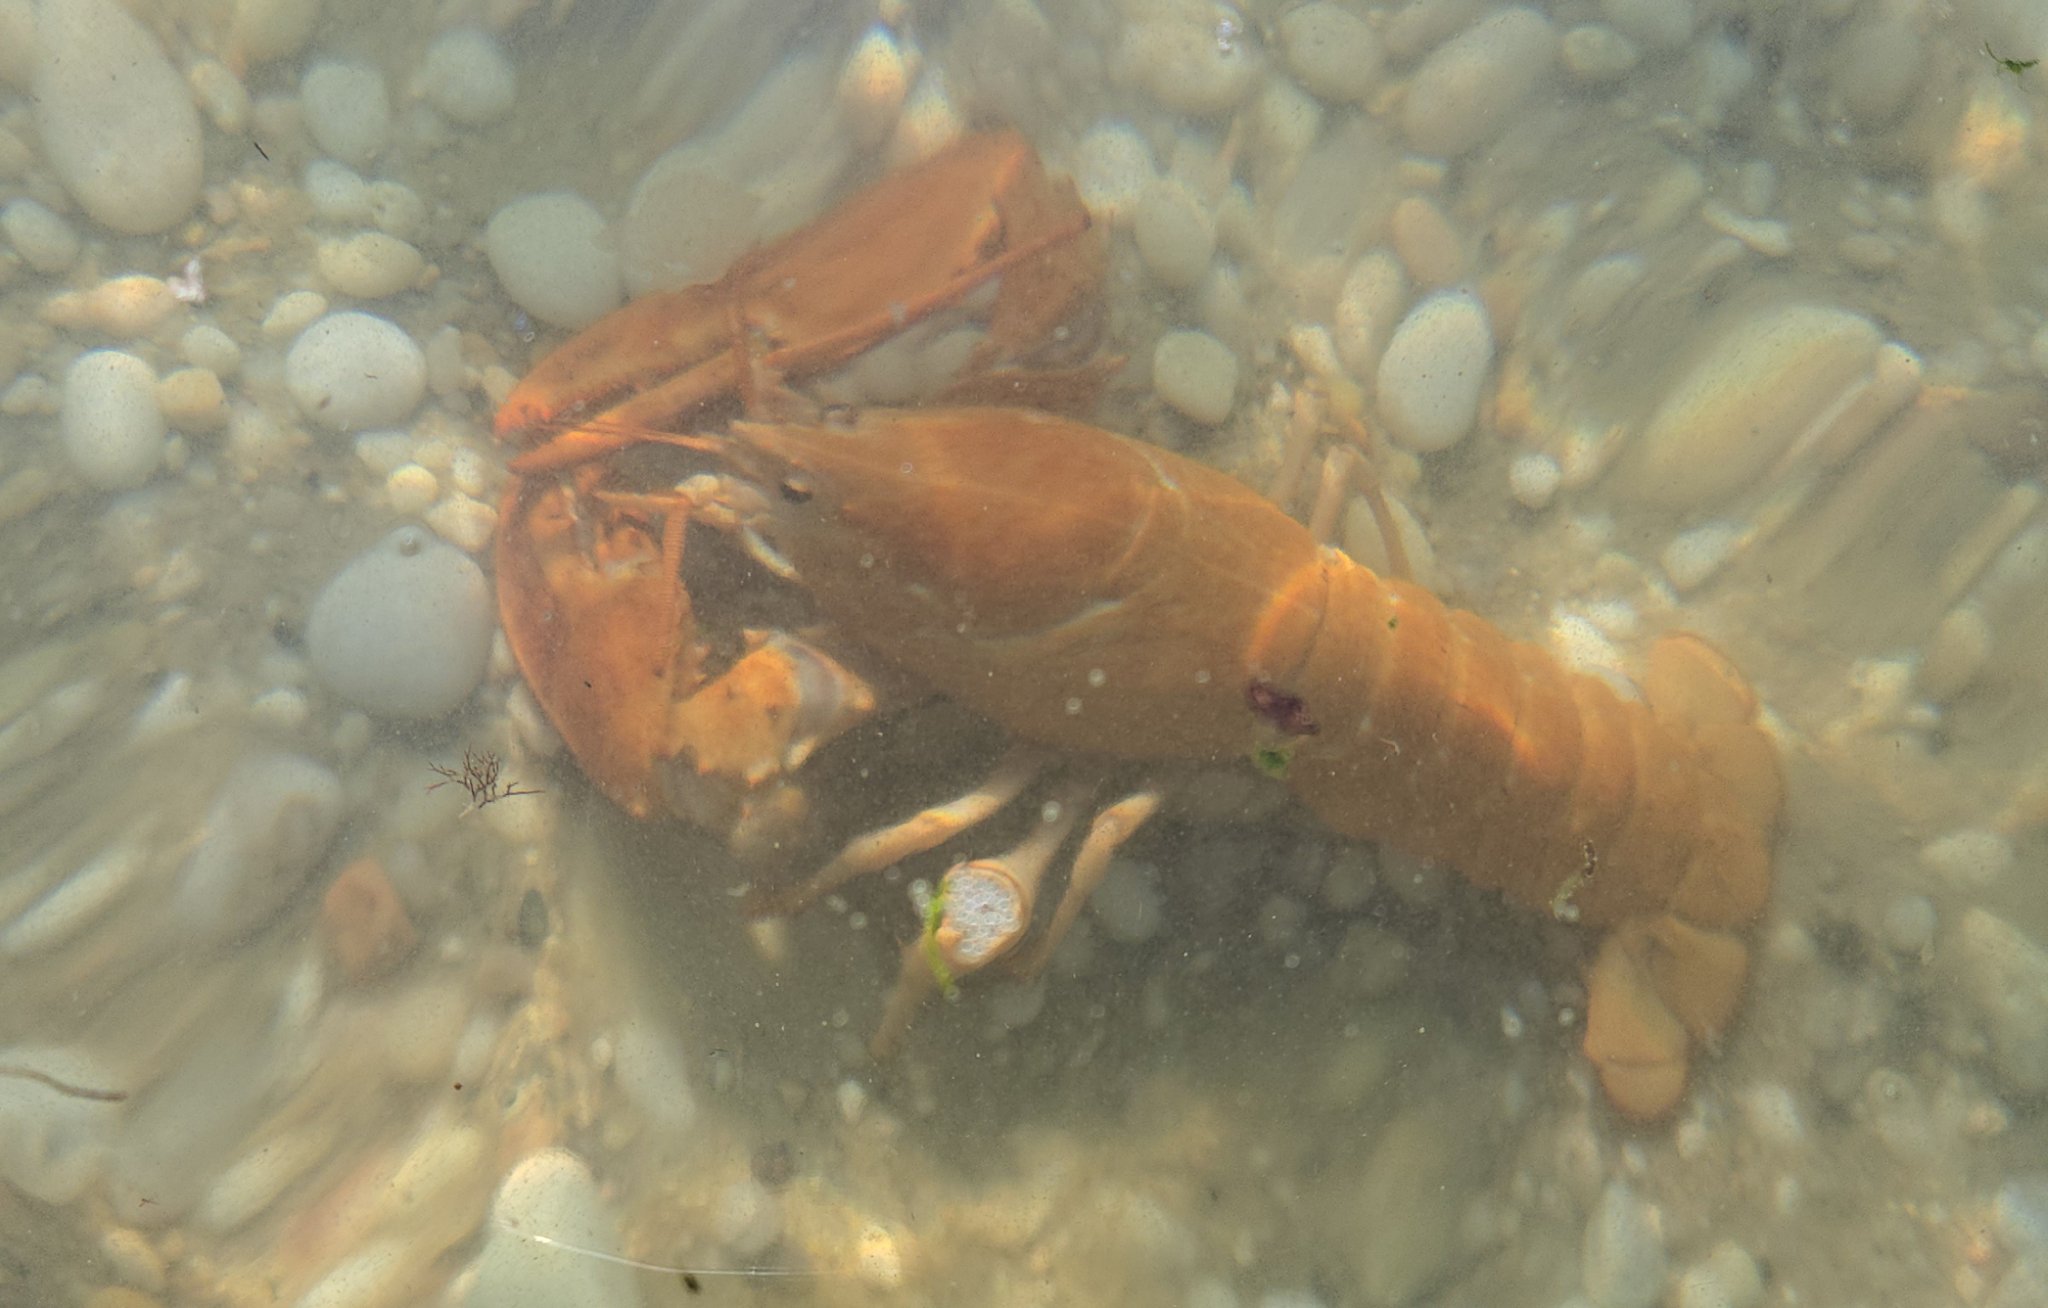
x=1434, y=371
x=404, y=629
x=293, y=312
x=1331, y=51
x=1533, y=480
x=368, y=265
x=466, y=75
x=1595, y=52
x=269, y=823
x=347, y=110
x=411, y=489
x=272, y=29
x=555, y=259
x=1470, y=86
x=1112, y=166
x=1194, y=57
x=1956, y=653
x=353, y=370
x=113, y=430
x=1973, y=858
x=463, y=522
x=397, y=208
x=40, y=235
x=1127, y=905
x=874, y=83
x=1727, y=1278
x=338, y=192
x=207, y=346
x=1196, y=374
x=117, y=121
x=221, y=94
x=1368, y=306
x=1175, y=233
x=74, y=903
x=547, y=1218
x=1694, y=556
x=1909, y=925
x=1621, y=1259
x=747, y=1218
x=2005, y=979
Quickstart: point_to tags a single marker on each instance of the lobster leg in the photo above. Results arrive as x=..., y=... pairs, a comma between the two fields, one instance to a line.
x=1106, y=834
x=870, y=853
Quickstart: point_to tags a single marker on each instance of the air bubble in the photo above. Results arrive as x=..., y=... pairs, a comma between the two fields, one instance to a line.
x=1202, y=677
x=1096, y=676
x=1074, y=707
x=1050, y=813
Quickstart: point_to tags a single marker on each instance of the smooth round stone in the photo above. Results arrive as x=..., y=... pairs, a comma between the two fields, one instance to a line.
x=467, y=77
x=113, y=430
x=1658, y=24
x=1193, y=57
x=550, y=1195
x=1195, y=374
x=1112, y=165
x=1595, y=52
x=686, y=221
x=369, y=265
x=404, y=630
x=351, y=370
x=1956, y=653
x=40, y=235
x=265, y=831
x=1176, y=235
x=338, y=192
x=554, y=258
x=117, y=121
x=1533, y=480
x=1909, y=924
x=1434, y=371
x=273, y=29
x=1470, y=86
x=1368, y=306
x=1331, y=51
x=1621, y=1257
x=347, y=110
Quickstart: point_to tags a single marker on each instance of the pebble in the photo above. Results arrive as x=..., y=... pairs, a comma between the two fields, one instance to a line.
x=1621, y=1257
x=410, y=488
x=113, y=429
x=192, y=399
x=364, y=924
x=75, y=902
x=267, y=827
x=1196, y=375
x=368, y=265
x=1695, y=555
x=550, y=1194
x=347, y=110
x=55, y=1146
x=1331, y=51
x=1369, y=305
x=1971, y=858
x=1175, y=233
x=1909, y=925
x=1195, y=57
x=1426, y=243
x=1112, y=166
x=1403, y=1223
x=1596, y=53
x=463, y=522
x=1955, y=654
x=1658, y=24
x=555, y=259
x=352, y=370
x=1726, y=1278
x=747, y=1218
x=292, y=313
x=1127, y=905
x=1434, y=371
x=466, y=75
x=125, y=307
x=1469, y=87
x=2005, y=978
x=40, y=235
x=117, y=121
x=1533, y=480
x=272, y=29
x=337, y=192
x=403, y=631
x=1756, y=386
x=221, y=96
x=874, y=83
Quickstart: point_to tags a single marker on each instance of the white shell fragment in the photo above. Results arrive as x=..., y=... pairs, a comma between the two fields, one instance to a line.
x=353, y=370
x=113, y=429
x=554, y=257
x=117, y=121
x=1434, y=372
x=1196, y=374
x=404, y=630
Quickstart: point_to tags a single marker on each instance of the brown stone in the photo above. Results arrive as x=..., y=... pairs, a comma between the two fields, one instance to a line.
x=364, y=923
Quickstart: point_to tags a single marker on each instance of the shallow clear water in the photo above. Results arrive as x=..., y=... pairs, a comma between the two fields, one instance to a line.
x=1659, y=315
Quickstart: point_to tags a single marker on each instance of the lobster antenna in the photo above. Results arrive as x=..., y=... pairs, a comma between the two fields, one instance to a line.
x=620, y=1260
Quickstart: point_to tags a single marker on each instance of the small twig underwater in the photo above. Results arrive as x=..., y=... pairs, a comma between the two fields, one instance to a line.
x=479, y=776
x=63, y=1087
x=637, y=1264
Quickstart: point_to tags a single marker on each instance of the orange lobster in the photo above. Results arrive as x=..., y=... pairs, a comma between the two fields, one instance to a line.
x=1097, y=596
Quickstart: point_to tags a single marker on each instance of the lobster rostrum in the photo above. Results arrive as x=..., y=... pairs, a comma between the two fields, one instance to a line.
x=1097, y=598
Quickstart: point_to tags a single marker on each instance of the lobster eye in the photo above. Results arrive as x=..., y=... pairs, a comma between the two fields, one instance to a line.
x=795, y=491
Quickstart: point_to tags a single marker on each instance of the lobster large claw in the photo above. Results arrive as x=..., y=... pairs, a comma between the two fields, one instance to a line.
x=914, y=243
